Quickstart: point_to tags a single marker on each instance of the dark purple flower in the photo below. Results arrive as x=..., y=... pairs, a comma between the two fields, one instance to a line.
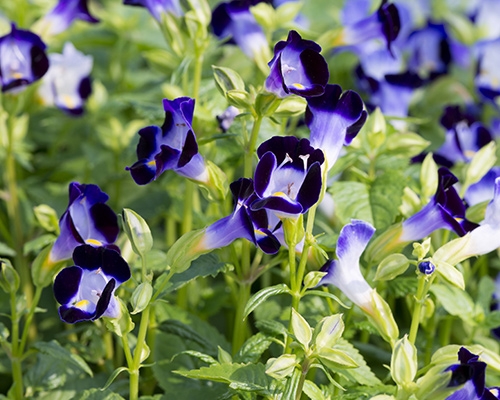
x=288, y=176
x=22, y=59
x=334, y=119
x=86, y=290
x=158, y=7
x=255, y=226
x=488, y=74
x=446, y=210
x=234, y=21
x=464, y=137
x=297, y=67
x=173, y=146
x=63, y=15
x=426, y=267
x=87, y=220
x=384, y=24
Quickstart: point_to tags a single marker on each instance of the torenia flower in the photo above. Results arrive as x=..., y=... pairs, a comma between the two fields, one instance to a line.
x=158, y=7
x=383, y=24
x=87, y=220
x=67, y=83
x=255, y=226
x=483, y=190
x=86, y=290
x=488, y=76
x=334, y=119
x=22, y=59
x=297, y=67
x=63, y=15
x=234, y=21
x=173, y=146
x=288, y=176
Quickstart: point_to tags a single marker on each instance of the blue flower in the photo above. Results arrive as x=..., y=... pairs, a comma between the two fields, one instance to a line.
x=297, y=67
x=86, y=290
x=235, y=22
x=63, y=15
x=158, y=7
x=67, y=82
x=255, y=226
x=227, y=117
x=22, y=59
x=483, y=190
x=334, y=119
x=487, y=80
x=288, y=176
x=87, y=220
x=173, y=146
x=426, y=267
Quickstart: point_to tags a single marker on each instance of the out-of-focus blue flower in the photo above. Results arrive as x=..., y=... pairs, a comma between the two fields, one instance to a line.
x=297, y=67
x=234, y=21
x=485, y=17
x=173, y=146
x=464, y=137
x=288, y=176
x=86, y=290
x=22, y=59
x=63, y=15
x=87, y=220
x=227, y=117
x=334, y=119
x=344, y=273
x=487, y=80
x=158, y=7
x=384, y=24
x=255, y=226
x=446, y=210
x=67, y=82
x=483, y=190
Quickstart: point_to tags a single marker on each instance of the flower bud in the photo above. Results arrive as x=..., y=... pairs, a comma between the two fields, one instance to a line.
x=137, y=231
x=450, y=274
x=291, y=106
x=391, y=266
x=227, y=79
x=301, y=329
x=420, y=250
x=404, y=362
x=9, y=278
x=141, y=297
x=47, y=218
x=426, y=267
x=383, y=319
x=312, y=279
x=217, y=183
x=239, y=99
x=328, y=331
x=122, y=324
x=482, y=162
x=266, y=104
x=281, y=367
x=428, y=177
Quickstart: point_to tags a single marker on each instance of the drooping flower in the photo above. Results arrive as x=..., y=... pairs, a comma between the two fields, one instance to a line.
x=297, y=67
x=86, y=290
x=158, y=7
x=87, y=220
x=255, y=226
x=173, y=146
x=22, y=59
x=334, y=119
x=288, y=176
x=63, y=15
x=67, y=82
x=234, y=21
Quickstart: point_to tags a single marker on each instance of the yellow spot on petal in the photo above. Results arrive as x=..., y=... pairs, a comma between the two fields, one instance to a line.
x=298, y=85
x=458, y=219
x=81, y=303
x=68, y=101
x=94, y=242
x=152, y=163
x=260, y=233
x=17, y=75
x=279, y=194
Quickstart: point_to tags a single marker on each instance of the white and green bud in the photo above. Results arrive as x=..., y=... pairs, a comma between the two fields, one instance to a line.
x=392, y=266
x=481, y=163
x=375, y=128
x=281, y=367
x=312, y=279
x=328, y=332
x=383, y=319
x=420, y=250
x=217, y=185
x=137, y=231
x=227, y=79
x=428, y=177
x=186, y=249
x=293, y=230
x=141, y=297
x=404, y=364
x=301, y=329
x=291, y=106
x=336, y=359
x=9, y=278
x=47, y=218
x=240, y=99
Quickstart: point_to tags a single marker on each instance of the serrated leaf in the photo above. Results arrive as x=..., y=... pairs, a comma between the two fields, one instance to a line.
x=273, y=328
x=253, y=348
x=352, y=201
x=200, y=356
x=263, y=295
x=54, y=349
x=386, y=194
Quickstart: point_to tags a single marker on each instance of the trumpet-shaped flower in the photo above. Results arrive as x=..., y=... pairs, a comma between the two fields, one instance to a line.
x=63, y=15
x=288, y=176
x=334, y=119
x=67, y=82
x=173, y=146
x=255, y=226
x=22, y=59
x=86, y=290
x=234, y=21
x=158, y=7
x=297, y=67
x=87, y=220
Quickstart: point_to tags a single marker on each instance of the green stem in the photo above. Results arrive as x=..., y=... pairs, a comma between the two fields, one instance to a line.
x=136, y=363
x=240, y=330
x=198, y=69
x=303, y=374
x=29, y=318
x=423, y=288
x=250, y=148
x=295, y=290
x=17, y=373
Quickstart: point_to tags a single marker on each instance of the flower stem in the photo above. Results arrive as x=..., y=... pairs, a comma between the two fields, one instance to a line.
x=29, y=318
x=423, y=288
x=136, y=363
x=17, y=373
x=250, y=148
x=240, y=329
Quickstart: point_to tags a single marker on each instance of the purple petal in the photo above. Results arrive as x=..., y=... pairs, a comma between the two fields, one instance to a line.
x=285, y=207
x=158, y=7
x=148, y=143
x=353, y=240
x=311, y=187
x=142, y=172
x=189, y=150
x=263, y=172
x=226, y=230
x=484, y=189
x=73, y=314
x=67, y=283
x=109, y=261
x=104, y=299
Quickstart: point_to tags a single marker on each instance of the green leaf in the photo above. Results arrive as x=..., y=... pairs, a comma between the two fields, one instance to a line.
x=386, y=195
x=6, y=250
x=336, y=359
x=455, y=301
x=137, y=231
x=253, y=348
x=312, y=391
x=227, y=79
x=485, y=291
x=200, y=356
x=329, y=295
x=292, y=385
x=492, y=320
x=263, y=295
x=113, y=376
x=35, y=245
x=270, y=327
x=184, y=331
x=352, y=201
x=54, y=349
x=97, y=394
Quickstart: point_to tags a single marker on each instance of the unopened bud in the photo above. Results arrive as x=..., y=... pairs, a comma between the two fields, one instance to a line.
x=141, y=297
x=404, y=362
x=138, y=232
x=426, y=267
x=281, y=367
x=328, y=331
x=9, y=278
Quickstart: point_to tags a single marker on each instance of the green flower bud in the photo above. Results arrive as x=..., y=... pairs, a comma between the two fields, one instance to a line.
x=121, y=325
x=266, y=104
x=428, y=177
x=312, y=279
x=141, y=297
x=301, y=329
x=223, y=356
x=336, y=359
x=43, y=269
x=227, y=79
x=47, y=218
x=9, y=278
x=450, y=274
x=217, y=185
x=420, y=250
x=404, y=364
x=239, y=99
x=328, y=331
x=137, y=231
x=391, y=266
x=281, y=367
x=291, y=106
x=383, y=319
